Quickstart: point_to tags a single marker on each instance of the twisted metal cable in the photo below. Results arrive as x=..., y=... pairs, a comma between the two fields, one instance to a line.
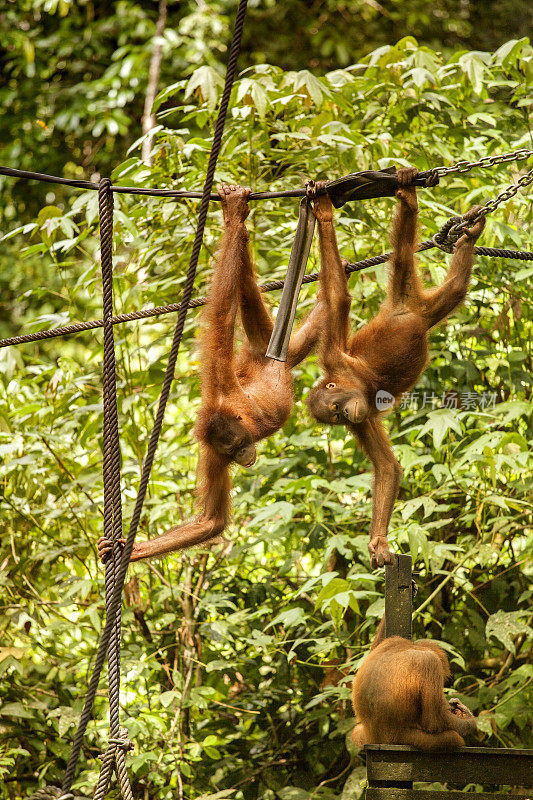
x=521, y=154
x=165, y=392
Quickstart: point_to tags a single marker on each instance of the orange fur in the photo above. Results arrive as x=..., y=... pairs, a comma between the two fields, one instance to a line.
x=387, y=355
x=398, y=697
x=242, y=394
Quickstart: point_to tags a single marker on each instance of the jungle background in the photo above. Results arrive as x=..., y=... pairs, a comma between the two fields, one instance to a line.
x=236, y=660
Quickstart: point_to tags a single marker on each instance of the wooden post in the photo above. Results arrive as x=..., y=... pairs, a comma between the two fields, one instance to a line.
x=399, y=598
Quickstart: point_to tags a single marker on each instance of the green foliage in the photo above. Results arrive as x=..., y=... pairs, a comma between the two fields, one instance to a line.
x=236, y=661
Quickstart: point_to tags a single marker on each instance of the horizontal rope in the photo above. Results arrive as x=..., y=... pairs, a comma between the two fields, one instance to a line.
x=521, y=154
x=156, y=311
x=177, y=193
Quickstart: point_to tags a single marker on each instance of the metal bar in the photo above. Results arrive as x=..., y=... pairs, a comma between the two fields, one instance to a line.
x=399, y=598
x=278, y=345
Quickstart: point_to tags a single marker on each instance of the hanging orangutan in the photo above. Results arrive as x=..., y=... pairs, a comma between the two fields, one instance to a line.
x=245, y=396
x=368, y=370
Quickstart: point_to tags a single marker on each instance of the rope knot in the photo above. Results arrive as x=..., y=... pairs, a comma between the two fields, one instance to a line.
x=433, y=178
x=121, y=741
x=447, y=236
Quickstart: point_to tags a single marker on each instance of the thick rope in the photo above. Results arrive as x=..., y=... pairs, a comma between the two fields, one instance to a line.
x=112, y=496
x=111, y=446
x=115, y=757
x=110, y=622
x=51, y=793
x=106, y=771
x=146, y=313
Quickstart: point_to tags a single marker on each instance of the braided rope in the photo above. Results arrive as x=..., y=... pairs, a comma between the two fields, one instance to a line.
x=111, y=443
x=112, y=492
x=106, y=771
x=122, y=774
x=114, y=756
x=110, y=623
x=157, y=311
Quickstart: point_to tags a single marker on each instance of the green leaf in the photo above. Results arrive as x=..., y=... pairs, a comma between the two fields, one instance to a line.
x=523, y=274
x=166, y=93
x=418, y=543
x=205, y=80
x=167, y=698
x=439, y=423
x=316, y=89
x=334, y=587
x=16, y=710
x=421, y=76
x=510, y=51
x=281, y=509
x=293, y=793
x=503, y=625
x=289, y=618
x=474, y=67
x=259, y=96
x=217, y=795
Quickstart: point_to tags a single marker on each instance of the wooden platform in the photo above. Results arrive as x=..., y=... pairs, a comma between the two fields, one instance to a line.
x=392, y=769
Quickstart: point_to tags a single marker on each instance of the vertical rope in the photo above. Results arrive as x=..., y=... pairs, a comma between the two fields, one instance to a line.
x=115, y=604
x=106, y=770
x=111, y=447
x=105, y=203
x=112, y=497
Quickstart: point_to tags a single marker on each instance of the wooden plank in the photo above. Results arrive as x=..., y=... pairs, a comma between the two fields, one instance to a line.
x=405, y=748
x=392, y=793
x=399, y=598
x=490, y=765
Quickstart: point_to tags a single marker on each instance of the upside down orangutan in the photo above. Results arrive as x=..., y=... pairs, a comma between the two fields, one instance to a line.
x=387, y=355
x=245, y=396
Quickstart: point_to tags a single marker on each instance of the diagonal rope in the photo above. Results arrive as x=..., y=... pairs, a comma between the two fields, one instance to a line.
x=110, y=623
x=170, y=308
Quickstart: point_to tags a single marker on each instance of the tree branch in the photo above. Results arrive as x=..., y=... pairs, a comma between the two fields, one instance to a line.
x=154, y=70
